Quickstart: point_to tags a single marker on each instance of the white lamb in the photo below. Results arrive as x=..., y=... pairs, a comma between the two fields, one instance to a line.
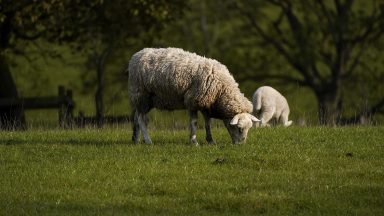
x=269, y=104
x=171, y=78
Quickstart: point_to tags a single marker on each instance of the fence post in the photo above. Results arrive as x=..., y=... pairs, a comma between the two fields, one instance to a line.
x=61, y=106
x=69, y=109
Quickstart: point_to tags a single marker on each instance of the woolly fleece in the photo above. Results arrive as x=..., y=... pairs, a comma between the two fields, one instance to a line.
x=171, y=78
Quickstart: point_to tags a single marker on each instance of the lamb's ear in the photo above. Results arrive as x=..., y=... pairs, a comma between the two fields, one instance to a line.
x=253, y=118
x=235, y=120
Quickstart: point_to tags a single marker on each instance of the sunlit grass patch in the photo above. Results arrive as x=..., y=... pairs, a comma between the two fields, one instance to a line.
x=280, y=171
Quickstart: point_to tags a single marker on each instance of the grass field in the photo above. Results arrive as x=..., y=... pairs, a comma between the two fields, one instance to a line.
x=279, y=171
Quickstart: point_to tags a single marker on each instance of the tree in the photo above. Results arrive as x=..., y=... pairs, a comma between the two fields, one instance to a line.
x=28, y=21
x=325, y=42
x=10, y=116
x=112, y=29
x=83, y=24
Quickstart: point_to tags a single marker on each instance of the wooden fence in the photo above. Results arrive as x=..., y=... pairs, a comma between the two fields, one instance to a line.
x=65, y=105
x=63, y=102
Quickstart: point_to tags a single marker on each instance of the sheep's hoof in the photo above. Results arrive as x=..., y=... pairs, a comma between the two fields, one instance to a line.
x=288, y=123
x=194, y=142
x=148, y=142
x=211, y=142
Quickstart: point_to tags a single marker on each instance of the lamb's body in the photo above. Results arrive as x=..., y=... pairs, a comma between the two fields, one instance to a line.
x=269, y=103
x=170, y=78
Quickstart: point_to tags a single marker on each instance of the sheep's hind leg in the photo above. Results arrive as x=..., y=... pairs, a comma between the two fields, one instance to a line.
x=141, y=117
x=208, y=132
x=136, y=129
x=193, y=126
x=284, y=119
x=266, y=116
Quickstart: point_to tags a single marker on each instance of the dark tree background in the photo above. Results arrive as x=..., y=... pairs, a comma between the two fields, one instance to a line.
x=325, y=42
x=96, y=27
x=332, y=49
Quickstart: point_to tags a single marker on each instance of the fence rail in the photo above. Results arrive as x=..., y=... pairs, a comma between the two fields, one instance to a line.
x=63, y=102
x=65, y=105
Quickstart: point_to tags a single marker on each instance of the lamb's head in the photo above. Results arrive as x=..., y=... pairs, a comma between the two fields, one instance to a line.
x=239, y=125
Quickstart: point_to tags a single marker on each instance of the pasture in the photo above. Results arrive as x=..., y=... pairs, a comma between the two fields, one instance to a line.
x=279, y=171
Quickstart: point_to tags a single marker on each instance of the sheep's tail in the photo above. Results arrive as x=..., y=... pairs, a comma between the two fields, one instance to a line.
x=257, y=101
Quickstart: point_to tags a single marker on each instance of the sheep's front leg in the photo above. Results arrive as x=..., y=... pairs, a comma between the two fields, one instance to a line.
x=193, y=127
x=136, y=128
x=208, y=132
x=141, y=117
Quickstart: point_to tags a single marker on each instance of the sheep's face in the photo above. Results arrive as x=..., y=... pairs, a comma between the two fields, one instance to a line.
x=239, y=125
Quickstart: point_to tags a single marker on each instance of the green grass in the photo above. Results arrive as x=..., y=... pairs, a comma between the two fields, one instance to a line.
x=279, y=171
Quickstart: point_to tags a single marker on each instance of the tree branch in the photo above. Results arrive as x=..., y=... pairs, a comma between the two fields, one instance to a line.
x=277, y=45
x=303, y=43
x=369, y=34
x=342, y=48
x=324, y=10
x=279, y=32
x=355, y=61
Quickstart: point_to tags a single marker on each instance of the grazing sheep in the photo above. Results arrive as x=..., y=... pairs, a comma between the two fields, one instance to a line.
x=171, y=78
x=269, y=103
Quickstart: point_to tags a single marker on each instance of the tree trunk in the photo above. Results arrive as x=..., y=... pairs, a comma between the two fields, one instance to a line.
x=329, y=105
x=99, y=101
x=11, y=117
x=99, y=93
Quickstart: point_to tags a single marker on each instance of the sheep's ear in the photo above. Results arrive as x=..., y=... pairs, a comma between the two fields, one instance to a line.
x=235, y=120
x=253, y=118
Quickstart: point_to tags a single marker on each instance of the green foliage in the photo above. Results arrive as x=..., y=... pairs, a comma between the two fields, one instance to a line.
x=80, y=33
x=279, y=171
x=52, y=40
x=73, y=19
x=328, y=44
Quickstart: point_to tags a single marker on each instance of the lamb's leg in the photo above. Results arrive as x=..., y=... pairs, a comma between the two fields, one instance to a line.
x=193, y=126
x=284, y=119
x=136, y=129
x=208, y=132
x=267, y=115
x=141, y=117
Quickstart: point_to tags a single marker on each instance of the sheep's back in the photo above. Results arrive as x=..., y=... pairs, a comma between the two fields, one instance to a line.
x=272, y=98
x=174, y=78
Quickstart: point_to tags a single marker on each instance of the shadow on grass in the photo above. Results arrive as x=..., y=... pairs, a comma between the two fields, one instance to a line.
x=64, y=142
x=92, y=141
x=101, y=138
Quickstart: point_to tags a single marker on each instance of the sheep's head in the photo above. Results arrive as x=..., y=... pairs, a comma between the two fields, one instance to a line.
x=239, y=125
